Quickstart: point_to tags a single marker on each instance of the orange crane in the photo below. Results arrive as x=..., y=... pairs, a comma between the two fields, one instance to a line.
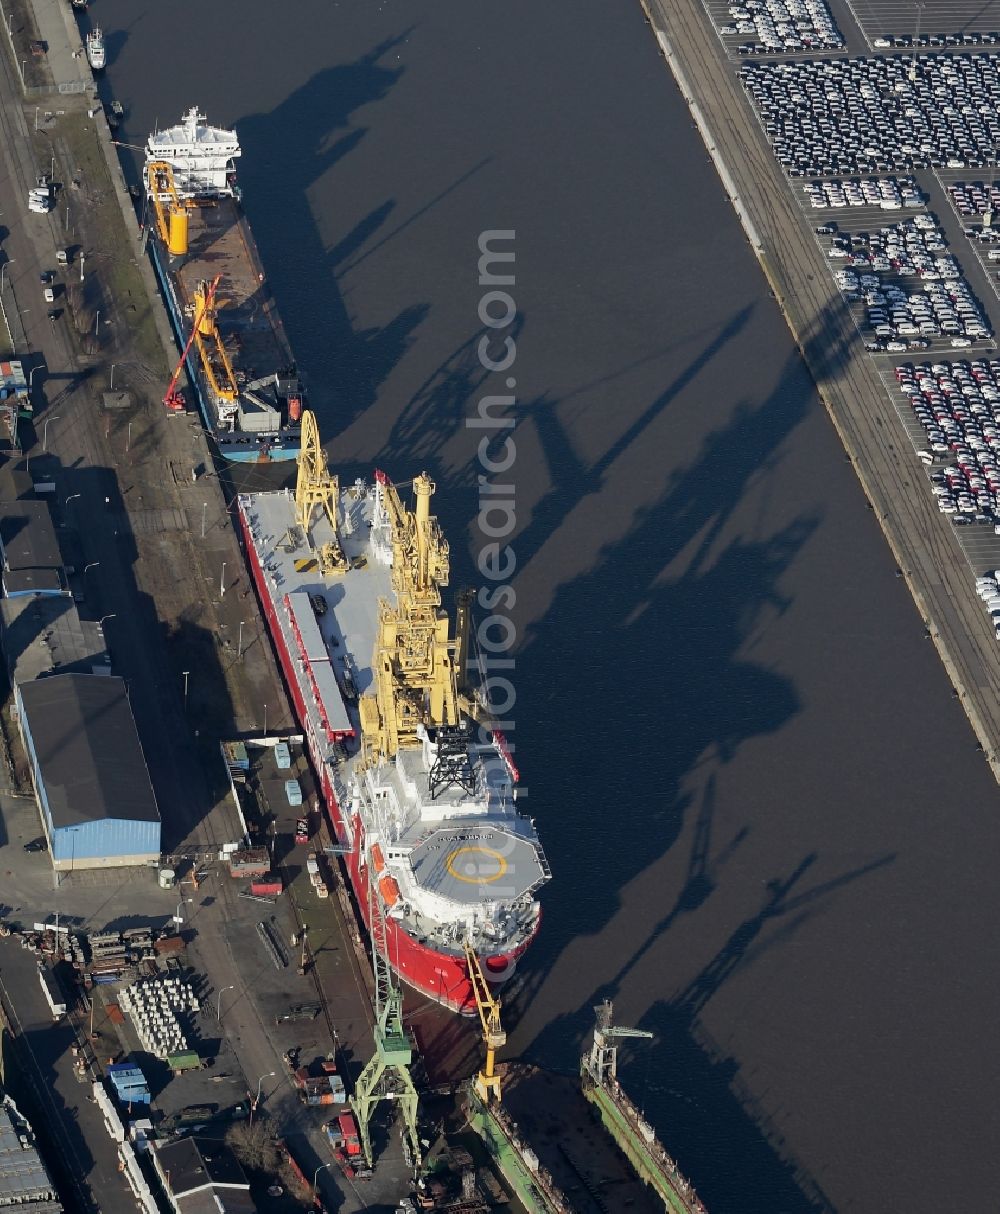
x=174, y=400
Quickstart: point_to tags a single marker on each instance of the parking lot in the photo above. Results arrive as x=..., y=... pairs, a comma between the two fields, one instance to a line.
x=929, y=20
x=775, y=27
x=894, y=164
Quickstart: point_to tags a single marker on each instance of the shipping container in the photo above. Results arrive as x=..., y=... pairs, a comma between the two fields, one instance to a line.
x=187, y=1061
x=170, y=944
x=282, y=756
x=293, y=792
x=52, y=992
x=236, y=755
x=268, y=886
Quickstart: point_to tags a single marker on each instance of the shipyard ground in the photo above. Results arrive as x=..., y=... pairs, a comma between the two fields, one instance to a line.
x=143, y=518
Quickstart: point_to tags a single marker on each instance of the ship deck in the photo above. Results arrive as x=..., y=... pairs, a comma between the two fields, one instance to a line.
x=220, y=243
x=347, y=628
x=457, y=855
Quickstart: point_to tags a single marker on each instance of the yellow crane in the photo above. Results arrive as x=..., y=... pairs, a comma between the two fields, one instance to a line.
x=172, y=218
x=214, y=358
x=315, y=485
x=487, y=1082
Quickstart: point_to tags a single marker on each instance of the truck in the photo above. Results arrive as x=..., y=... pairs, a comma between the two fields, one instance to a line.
x=53, y=995
x=326, y=1087
x=342, y=1134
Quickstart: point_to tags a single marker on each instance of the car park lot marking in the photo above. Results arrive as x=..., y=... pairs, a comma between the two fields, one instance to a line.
x=935, y=18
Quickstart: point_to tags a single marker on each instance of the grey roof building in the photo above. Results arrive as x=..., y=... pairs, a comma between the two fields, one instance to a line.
x=91, y=780
x=28, y=536
x=202, y=1176
x=24, y=1179
x=43, y=634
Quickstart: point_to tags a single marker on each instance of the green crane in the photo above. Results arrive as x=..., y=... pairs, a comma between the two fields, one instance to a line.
x=386, y=1075
x=601, y=1064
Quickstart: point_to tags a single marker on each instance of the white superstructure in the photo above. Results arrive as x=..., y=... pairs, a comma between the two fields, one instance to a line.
x=202, y=157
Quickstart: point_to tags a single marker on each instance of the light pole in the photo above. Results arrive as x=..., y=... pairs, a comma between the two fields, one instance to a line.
x=92, y=565
x=185, y=673
x=71, y=497
x=3, y=271
x=239, y=643
x=97, y=322
x=322, y=1167
x=253, y=1106
x=222, y=582
x=179, y=918
x=100, y=622
x=128, y=437
x=218, y=1002
x=45, y=430
x=111, y=386
x=37, y=108
x=82, y=255
x=31, y=374
x=204, y=514
x=265, y=720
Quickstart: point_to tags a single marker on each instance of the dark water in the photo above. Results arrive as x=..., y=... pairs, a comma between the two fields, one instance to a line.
x=773, y=841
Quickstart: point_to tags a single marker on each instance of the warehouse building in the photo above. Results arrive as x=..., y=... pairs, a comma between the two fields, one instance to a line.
x=93, y=788
x=43, y=634
x=32, y=562
x=202, y=1176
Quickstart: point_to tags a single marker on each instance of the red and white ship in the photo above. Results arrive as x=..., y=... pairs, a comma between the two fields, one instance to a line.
x=420, y=795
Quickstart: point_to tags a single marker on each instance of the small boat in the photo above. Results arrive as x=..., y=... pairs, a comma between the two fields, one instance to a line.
x=114, y=114
x=79, y=5
x=95, y=50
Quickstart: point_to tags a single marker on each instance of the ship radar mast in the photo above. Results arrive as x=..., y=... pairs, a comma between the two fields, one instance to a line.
x=414, y=661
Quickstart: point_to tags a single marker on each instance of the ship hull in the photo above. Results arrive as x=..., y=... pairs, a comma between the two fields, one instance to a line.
x=235, y=448
x=438, y=975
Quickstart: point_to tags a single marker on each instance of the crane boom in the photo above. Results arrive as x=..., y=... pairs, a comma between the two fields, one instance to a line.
x=173, y=399
x=487, y=1081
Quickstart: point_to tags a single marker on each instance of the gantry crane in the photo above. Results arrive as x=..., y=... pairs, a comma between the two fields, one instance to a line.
x=173, y=399
x=601, y=1064
x=487, y=1082
x=316, y=486
x=386, y=1075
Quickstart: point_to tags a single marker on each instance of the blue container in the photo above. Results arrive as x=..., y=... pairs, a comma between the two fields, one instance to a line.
x=282, y=758
x=293, y=792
